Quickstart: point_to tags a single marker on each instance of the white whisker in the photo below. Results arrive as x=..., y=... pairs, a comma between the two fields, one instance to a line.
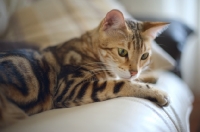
x=93, y=63
x=95, y=73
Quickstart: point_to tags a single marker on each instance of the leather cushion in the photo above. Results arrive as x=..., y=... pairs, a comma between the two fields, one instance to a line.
x=125, y=114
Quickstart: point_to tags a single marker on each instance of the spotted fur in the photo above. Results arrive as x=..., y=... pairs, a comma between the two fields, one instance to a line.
x=80, y=71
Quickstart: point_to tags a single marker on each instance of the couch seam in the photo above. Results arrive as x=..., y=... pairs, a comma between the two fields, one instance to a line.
x=158, y=114
x=179, y=129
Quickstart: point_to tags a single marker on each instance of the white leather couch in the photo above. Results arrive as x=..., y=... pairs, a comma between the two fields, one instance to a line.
x=125, y=114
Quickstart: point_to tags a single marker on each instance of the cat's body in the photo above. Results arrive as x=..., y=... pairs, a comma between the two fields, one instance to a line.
x=100, y=65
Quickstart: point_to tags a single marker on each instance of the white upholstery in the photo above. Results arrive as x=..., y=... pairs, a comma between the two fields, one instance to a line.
x=125, y=114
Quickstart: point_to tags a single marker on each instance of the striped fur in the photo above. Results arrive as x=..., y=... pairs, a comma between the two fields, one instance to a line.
x=80, y=71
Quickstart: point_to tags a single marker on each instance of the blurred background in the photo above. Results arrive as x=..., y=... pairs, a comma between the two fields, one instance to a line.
x=181, y=40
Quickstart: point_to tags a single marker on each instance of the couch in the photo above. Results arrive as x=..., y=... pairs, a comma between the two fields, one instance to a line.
x=49, y=22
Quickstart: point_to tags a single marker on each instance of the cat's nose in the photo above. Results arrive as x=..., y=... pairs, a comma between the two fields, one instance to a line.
x=133, y=73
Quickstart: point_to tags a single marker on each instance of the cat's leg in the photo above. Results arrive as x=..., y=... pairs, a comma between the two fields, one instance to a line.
x=9, y=113
x=147, y=79
x=102, y=90
x=150, y=76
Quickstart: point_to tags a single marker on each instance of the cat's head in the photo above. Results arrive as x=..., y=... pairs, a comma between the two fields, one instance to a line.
x=125, y=45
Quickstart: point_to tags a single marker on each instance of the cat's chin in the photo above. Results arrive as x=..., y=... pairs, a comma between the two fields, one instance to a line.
x=122, y=78
x=133, y=78
x=126, y=78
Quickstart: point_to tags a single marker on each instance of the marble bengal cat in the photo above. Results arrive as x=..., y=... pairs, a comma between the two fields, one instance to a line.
x=101, y=64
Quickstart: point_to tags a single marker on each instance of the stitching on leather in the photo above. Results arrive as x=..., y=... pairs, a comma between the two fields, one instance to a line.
x=174, y=122
x=178, y=119
x=135, y=99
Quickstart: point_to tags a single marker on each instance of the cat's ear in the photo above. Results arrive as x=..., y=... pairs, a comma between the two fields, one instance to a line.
x=114, y=20
x=153, y=29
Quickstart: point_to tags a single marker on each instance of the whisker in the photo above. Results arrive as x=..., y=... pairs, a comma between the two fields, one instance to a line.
x=146, y=67
x=139, y=79
x=97, y=71
x=161, y=36
x=93, y=63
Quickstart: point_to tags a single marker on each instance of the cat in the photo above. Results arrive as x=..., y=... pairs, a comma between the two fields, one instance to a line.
x=101, y=64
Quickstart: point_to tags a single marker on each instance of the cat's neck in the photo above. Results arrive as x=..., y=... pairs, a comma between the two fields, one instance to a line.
x=76, y=51
x=89, y=44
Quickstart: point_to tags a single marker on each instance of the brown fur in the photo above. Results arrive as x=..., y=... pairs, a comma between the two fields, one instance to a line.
x=80, y=71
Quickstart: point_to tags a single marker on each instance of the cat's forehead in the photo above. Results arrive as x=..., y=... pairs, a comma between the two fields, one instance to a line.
x=135, y=40
x=134, y=25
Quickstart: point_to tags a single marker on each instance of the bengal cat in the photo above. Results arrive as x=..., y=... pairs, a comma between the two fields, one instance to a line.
x=101, y=64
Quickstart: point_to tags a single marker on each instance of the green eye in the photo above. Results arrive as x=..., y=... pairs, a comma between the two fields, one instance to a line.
x=144, y=56
x=122, y=52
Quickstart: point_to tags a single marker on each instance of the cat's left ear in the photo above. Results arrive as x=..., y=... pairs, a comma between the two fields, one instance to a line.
x=114, y=20
x=153, y=29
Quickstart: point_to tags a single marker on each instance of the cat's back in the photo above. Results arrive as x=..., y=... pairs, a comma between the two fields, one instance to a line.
x=24, y=79
x=14, y=61
x=18, y=53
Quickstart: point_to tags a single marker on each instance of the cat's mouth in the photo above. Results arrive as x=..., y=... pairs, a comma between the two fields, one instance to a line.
x=126, y=75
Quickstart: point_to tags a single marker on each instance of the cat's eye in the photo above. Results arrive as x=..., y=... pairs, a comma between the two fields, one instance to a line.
x=144, y=56
x=122, y=52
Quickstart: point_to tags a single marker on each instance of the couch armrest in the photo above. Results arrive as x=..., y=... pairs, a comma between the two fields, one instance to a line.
x=125, y=114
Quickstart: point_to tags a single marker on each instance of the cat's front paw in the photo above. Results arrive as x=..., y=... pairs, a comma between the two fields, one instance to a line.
x=160, y=97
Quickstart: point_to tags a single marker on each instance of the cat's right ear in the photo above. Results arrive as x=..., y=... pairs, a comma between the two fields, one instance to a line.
x=114, y=20
x=153, y=29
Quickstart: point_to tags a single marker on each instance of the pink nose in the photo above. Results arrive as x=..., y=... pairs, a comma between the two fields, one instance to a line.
x=133, y=73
